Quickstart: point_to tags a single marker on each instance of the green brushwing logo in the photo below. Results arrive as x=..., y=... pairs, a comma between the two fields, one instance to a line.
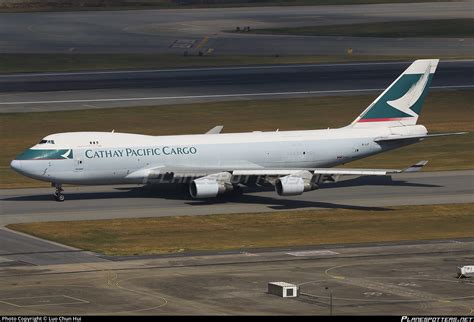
x=33, y=154
x=404, y=99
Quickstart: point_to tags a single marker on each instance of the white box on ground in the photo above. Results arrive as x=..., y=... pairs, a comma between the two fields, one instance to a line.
x=466, y=271
x=283, y=289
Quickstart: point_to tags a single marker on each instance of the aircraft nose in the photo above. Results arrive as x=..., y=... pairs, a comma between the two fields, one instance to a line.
x=16, y=165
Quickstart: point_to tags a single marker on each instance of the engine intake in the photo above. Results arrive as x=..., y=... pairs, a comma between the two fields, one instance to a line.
x=293, y=185
x=210, y=186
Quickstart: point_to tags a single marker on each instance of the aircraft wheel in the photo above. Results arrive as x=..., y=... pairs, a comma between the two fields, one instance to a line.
x=59, y=197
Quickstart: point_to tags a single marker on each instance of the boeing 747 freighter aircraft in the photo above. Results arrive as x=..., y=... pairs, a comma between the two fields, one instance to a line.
x=214, y=163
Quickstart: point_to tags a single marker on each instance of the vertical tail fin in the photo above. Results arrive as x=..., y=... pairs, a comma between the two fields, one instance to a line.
x=400, y=104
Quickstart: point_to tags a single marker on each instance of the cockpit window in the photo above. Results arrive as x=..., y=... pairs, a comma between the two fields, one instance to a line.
x=46, y=141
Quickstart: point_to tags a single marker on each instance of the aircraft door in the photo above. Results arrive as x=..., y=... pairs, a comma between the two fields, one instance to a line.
x=78, y=161
x=79, y=165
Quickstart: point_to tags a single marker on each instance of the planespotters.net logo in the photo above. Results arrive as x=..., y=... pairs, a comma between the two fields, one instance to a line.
x=437, y=319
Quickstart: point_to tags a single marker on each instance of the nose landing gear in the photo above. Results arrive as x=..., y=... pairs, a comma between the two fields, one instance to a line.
x=58, y=196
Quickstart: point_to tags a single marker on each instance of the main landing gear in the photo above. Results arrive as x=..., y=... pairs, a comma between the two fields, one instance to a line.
x=58, y=196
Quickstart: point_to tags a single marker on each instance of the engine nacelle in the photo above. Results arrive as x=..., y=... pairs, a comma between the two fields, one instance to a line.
x=293, y=185
x=210, y=186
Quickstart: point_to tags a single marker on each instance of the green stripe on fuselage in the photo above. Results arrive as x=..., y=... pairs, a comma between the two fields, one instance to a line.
x=382, y=110
x=32, y=154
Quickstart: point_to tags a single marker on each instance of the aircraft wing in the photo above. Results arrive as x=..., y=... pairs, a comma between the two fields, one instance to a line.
x=322, y=174
x=330, y=171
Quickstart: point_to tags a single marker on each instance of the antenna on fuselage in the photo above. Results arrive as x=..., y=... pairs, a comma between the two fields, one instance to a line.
x=113, y=130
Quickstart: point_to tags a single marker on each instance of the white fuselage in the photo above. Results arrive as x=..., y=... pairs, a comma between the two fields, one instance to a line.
x=111, y=158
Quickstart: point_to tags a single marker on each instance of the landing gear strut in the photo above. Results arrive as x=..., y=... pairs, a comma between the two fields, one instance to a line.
x=58, y=196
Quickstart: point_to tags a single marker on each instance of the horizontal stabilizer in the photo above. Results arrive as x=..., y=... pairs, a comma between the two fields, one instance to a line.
x=412, y=137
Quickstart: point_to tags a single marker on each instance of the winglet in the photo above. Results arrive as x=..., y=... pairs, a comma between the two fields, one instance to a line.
x=215, y=130
x=416, y=167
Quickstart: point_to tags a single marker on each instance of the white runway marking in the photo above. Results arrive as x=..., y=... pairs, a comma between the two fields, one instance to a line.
x=45, y=300
x=313, y=253
x=216, y=96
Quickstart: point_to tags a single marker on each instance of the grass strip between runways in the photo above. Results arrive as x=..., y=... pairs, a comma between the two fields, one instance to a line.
x=139, y=236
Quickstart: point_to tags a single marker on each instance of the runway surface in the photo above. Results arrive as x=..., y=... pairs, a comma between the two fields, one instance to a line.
x=176, y=31
x=20, y=249
x=104, y=202
x=67, y=91
x=391, y=278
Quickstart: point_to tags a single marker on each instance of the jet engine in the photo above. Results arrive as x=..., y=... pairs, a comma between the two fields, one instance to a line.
x=211, y=186
x=293, y=185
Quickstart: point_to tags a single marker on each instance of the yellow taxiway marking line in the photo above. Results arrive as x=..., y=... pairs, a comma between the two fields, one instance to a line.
x=203, y=42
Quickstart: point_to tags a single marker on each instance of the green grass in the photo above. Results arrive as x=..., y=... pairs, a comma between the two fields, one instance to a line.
x=141, y=236
x=444, y=111
x=58, y=5
x=28, y=63
x=449, y=28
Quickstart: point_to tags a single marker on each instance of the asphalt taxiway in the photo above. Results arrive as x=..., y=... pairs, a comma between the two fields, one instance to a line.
x=103, y=89
x=176, y=31
x=390, y=278
x=104, y=202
